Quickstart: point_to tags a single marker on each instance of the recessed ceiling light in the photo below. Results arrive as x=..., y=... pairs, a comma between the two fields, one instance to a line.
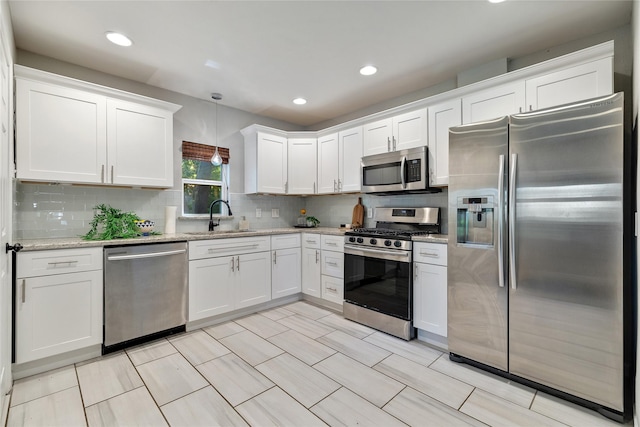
x=299, y=101
x=118, y=38
x=368, y=70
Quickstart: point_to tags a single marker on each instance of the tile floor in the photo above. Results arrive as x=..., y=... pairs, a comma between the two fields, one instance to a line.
x=296, y=365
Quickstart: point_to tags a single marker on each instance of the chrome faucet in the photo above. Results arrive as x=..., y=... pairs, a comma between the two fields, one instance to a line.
x=211, y=224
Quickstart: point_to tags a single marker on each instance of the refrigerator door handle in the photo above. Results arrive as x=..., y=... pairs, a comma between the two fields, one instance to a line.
x=403, y=166
x=501, y=221
x=512, y=220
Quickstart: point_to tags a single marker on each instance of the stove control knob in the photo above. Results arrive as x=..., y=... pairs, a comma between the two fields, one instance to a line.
x=397, y=243
x=360, y=240
x=373, y=241
x=387, y=242
x=352, y=239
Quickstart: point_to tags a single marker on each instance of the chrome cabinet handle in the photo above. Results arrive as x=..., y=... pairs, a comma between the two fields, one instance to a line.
x=317, y=255
x=500, y=221
x=233, y=265
x=335, y=186
x=238, y=263
x=512, y=217
x=415, y=270
x=388, y=144
x=394, y=143
x=112, y=174
x=286, y=187
x=331, y=263
x=102, y=174
x=314, y=188
x=339, y=184
x=62, y=262
x=24, y=290
x=275, y=258
x=430, y=254
x=332, y=289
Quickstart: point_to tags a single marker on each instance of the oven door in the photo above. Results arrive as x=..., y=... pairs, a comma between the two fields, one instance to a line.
x=379, y=280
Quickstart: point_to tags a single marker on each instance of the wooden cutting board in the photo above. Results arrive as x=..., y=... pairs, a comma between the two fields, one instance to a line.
x=357, y=219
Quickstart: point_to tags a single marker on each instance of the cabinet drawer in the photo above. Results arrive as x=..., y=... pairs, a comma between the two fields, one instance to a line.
x=311, y=241
x=45, y=263
x=333, y=264
x=332, y=243
x=430, y=253
x=285, y=241
x=199, y=249
x=333, y=289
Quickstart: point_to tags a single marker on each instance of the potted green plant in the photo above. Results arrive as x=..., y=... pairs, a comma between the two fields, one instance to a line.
x=312, y=221
x=111, y=223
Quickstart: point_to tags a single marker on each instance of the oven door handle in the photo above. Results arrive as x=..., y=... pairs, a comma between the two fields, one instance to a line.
x=402, y=256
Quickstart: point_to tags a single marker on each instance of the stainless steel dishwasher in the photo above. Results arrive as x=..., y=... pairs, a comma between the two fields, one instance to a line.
x=145, y=293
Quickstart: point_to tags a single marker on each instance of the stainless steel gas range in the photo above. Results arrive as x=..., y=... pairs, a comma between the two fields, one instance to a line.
x=378, y=269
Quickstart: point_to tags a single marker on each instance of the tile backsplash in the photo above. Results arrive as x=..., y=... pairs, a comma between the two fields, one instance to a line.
x=57, y=211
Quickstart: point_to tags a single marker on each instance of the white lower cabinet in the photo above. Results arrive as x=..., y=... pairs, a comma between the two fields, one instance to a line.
x=286, y=268
x=332, y=268
x=222, y=283
x=311, y=267
x=430, y=288
x=58, y=308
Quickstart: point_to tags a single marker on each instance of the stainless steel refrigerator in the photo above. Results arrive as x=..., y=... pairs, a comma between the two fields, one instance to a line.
x=538, y=286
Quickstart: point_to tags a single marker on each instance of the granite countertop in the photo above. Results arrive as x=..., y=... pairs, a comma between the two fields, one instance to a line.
x=77, y=242
x=432, y=238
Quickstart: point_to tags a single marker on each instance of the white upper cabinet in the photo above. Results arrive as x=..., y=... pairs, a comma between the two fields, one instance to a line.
x=442, y=116
x=302, y=165
x=350, y=159
x=407, y=130
x=139, y=144
x=572, y=84
x=494, y=102
x=265, y=162
x=61, y=134
x=77, y=132
x=339, y=156
x=328, y=164
x=377, y=137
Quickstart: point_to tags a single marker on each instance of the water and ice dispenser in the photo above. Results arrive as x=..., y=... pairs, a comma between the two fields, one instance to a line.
x=475, y=221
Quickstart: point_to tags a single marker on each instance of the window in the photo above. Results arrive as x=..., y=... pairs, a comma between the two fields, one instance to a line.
x=202, y=182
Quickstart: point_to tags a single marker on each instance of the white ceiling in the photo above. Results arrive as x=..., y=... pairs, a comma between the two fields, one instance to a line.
x=266, y=53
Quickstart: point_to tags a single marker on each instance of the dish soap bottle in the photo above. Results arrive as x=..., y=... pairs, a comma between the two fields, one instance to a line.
x=244, y=224
x=302, y=219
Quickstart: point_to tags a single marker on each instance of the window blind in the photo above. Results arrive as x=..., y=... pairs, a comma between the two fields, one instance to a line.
x=195, y=151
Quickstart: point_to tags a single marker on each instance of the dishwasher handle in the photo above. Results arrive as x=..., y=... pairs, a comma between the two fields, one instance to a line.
x=145, y=255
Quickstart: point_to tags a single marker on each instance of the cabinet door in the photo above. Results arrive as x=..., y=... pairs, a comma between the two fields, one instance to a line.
x=139, y=145
x=410, y=130
x=272, y=164
x=302, y=164
x=211, y=285
x=311, y=272
x=332, y=289
x=494, y=102
x=350, y=179
x=285, y=272
x=441, y=118
x=430, y=298
x=254, y=285
x=57, y=314
x=584, y=81
x=377, y=137
x=328, y=164
x=60, y=134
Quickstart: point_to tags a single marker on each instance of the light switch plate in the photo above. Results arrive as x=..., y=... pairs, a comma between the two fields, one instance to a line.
x=275, y=213
x=369, y=212
x=258, y=213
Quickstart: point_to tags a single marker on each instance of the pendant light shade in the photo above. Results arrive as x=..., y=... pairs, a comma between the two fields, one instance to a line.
x=216, y=159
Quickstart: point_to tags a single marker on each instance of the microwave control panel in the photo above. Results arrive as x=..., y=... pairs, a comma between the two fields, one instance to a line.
x=413, y=170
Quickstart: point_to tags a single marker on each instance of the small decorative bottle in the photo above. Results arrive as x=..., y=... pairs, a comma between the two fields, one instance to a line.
x=302, y=219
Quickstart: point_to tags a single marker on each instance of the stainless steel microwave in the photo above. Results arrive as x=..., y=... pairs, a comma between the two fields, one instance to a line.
x=404, y=171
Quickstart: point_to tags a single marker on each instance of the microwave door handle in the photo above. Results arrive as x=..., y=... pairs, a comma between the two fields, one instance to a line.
x=403, y=169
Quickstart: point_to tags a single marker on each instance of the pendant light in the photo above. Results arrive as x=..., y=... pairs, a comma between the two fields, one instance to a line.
x=216, y=159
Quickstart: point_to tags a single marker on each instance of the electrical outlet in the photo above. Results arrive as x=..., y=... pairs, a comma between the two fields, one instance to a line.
x=258, y=213
x=275, y=213
x=369, y=212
